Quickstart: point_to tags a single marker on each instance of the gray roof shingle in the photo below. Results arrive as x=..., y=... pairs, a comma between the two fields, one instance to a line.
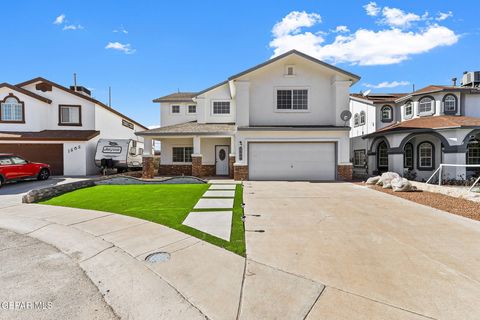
x=177, y=97
x=191, y=128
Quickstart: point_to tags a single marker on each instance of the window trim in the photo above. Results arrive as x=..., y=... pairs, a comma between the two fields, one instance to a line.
x=212, y=109
x=449, y=112
x=386, y=120
x=364, y=158
x=179, y=109
x=275, y=104
x=11, y=95
x=182, y=162
x=378, y=155
x=356, y=120
x=405, y=115
x=362, y=123
x=66, y=124
x=419, y=157
x=467, y=154
x=191, y=105
x=286, y=74
x=427, y=113
x=405, y=156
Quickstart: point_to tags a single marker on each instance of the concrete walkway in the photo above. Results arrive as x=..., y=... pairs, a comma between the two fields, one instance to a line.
x=215, y=217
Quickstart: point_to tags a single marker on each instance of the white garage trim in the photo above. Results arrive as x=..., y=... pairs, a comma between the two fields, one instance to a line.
x=320, y=174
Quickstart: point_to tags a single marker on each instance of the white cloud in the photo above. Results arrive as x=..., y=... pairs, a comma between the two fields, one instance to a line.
x=155, y=126
x=444, y=15
x=60, y=19
x=364, y=46
x=294, y=21
x=340, y=29
x=125, y=48
x=395, y=17
x=372, y=9
x=387, y=84
x=121, y=30
x=73, y=27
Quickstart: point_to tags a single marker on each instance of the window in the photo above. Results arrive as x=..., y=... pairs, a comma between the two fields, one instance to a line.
x=387, y=114
x=355, y=120
x=70, y=115
x=408, y=109
x=408, y=156
x=425, y=156
x=359, y=158
x=450, y=104
x=127, y=124
x=182, y=154
x=292, y=99
x=192, y=109
x=382, y=155
x=221, y=107
x=289, y=70
x=473, y=152
x=425, y=105
x=18, y=160
x=12, y=110
x=175, y=109
x=362, y=118
x=5, y=161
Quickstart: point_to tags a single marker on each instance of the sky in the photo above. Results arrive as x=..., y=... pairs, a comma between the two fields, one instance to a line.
x=147, y=49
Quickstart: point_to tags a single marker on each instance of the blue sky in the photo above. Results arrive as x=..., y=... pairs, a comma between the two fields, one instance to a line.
x=146, y=49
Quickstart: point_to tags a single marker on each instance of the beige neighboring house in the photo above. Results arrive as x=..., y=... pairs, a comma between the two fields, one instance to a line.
x=280, y=120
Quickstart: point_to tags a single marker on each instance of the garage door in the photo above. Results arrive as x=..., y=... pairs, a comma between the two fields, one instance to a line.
x=291, y=161
x=51, y=154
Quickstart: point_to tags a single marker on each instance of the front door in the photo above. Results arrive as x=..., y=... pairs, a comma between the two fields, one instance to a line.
x=221, y=160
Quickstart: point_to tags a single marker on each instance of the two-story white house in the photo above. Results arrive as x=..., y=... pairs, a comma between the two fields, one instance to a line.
x=43, y=121
x=279, y=120
x=414, y=133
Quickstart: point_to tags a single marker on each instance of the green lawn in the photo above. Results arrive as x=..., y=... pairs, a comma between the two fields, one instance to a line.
x=167, y=204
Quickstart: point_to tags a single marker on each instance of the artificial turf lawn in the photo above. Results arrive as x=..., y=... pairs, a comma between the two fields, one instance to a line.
x=167, y=204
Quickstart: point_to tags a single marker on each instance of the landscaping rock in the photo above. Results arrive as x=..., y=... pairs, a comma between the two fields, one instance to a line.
x=373, y=180
x=50, y=192
x=402, y=185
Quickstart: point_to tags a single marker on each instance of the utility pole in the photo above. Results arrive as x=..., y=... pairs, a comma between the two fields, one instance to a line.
x=110, y=96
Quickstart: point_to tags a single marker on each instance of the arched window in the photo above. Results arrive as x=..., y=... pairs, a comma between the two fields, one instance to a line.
x=425, y=105
x=408, y=109
x=473, y=151
x=355, y=120
x=387, y=114
x=11, y=110
x=450, y=104
x=408, y=156
x=382, y=156
x=362, y=118
x=426, y=156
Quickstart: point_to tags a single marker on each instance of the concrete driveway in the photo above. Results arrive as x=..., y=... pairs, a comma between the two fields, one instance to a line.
x=12, y=193
x=377, y=256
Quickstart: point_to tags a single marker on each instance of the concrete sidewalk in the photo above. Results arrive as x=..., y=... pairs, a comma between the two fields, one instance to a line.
x=199, y=281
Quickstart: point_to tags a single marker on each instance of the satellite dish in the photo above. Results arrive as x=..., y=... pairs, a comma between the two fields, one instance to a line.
x=366, y=93
x=346, y=115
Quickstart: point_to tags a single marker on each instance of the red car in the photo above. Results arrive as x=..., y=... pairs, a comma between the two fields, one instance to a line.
x=14, y=168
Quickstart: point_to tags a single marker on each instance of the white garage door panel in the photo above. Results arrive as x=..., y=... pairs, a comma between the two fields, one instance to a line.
x=291, y=161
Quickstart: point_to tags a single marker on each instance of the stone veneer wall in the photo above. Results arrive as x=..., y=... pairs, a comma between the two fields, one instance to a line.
x=345, y=171
x=231, y=161
x=197, y=166
x=240, y=172
x=175, y=170
x=148, y=171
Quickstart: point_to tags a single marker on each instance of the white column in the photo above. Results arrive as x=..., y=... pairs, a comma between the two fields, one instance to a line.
x=196, y=145
x=147, y=146
x=233, y=151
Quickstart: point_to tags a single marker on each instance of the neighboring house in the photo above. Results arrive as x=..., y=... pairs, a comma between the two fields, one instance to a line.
x=412, y=134
x=279, y=120
x=46, y=122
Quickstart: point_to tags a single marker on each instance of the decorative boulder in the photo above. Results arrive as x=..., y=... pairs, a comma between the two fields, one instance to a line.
x=387, y=177
x=373, y=180
x=387, y=185
x=402, y=185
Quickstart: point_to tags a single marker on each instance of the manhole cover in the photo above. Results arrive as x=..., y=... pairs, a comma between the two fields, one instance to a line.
x=158, y=257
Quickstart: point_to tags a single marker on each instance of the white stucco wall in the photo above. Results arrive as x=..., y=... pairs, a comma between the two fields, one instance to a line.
x=207, y=148
x=205, y=105
x=472, y=105
x=370, y=118
x=168, y=144
x=167, y=118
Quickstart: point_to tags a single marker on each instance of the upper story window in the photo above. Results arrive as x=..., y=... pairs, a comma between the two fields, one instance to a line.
x=12, y=110
x=387, y=114
x=425, y=105
x=192, y=109
x=175, y=109
x=355, y=120
x=450, y=104
x=425, y=156
x=221, y=107
x=69, y=115
x=408, y=109
x=289, y=70
x=294, y=99
x=362, y=118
